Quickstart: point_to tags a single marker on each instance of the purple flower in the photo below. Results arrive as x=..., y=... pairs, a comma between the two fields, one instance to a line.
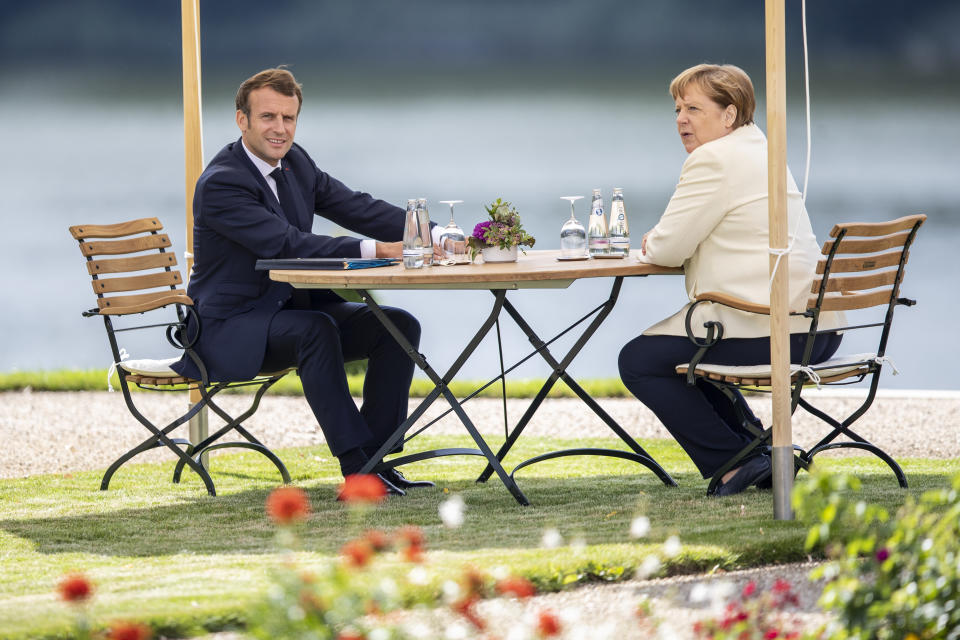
x=481, y=229
x=882, y=554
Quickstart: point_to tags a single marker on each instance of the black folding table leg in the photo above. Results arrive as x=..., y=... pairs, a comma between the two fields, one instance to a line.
x=440, y=388
x=560, y=371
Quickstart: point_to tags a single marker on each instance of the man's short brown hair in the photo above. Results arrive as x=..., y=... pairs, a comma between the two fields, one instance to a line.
x=279, y=79
x=724, y=84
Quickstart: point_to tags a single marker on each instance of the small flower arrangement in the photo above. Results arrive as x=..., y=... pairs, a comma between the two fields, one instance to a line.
x=502, y=230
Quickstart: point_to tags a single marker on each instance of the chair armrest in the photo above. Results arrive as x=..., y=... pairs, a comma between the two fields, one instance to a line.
x=732, y=301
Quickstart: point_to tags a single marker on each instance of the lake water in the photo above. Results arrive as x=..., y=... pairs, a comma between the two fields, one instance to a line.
x=98, y=162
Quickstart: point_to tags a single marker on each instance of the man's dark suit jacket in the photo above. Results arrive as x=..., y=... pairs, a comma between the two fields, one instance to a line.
x=237, y=220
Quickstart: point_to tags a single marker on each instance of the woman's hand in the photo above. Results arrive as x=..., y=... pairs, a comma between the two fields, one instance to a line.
x=643, y=242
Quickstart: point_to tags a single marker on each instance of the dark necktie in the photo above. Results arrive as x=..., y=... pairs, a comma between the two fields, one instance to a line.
x=285, y=195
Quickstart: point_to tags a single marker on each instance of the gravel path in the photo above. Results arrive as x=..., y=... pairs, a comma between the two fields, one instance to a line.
x=906, y=424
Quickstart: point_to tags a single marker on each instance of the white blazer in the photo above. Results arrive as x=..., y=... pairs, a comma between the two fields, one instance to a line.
x=716, y=227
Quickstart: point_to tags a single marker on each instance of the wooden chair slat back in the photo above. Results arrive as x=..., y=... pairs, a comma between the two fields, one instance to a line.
x=143, y=263
x=135, y=283
x=875, y=282
x=853, y=301
x=121, y=305
x=871, y=245
x=874, y=229
x=848, y=265
x=139, y=263
x=131, y=245
x=118, y=230
x=857, y=283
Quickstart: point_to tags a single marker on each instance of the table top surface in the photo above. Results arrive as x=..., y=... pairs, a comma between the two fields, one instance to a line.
x=533, y=269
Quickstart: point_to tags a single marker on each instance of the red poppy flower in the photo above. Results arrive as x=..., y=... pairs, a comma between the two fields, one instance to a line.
x=548, y=624
x=413, y=537
x=518, y=587
x=377, y=539
x=749, y=589
x=466, y=607
x=473, y=581
x=287, y=505
x=130, y=631
x=360, y=487
x=75, y=587
x=357, y=552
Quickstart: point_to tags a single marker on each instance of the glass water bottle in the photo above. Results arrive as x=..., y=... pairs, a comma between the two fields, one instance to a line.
x=619, y=230
x=597, y=234
x=425, y=234
x=412, y=242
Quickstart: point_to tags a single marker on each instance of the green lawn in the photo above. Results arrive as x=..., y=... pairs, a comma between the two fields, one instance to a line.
x=183, y=561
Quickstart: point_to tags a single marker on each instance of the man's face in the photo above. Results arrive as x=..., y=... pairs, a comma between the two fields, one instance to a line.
x=268, y=131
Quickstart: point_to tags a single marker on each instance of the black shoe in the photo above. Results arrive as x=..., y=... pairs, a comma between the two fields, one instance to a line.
x=392, y=488
x=392, y=476
x=754, y=470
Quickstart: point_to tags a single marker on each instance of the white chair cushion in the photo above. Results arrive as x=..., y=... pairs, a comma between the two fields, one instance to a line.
x=148, y=367
x=832, y=367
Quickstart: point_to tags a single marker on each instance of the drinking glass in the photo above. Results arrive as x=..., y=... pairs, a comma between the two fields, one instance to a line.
x=573, y=237
x=453, y=242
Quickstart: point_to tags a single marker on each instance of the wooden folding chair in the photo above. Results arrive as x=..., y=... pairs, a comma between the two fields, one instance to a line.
x=862, y=269
x=142, y=271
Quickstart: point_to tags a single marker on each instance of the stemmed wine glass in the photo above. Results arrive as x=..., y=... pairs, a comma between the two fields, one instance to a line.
x=573, y=237
x=453, y=242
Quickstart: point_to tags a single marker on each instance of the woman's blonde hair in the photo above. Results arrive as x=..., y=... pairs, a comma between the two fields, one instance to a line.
x=725, y=84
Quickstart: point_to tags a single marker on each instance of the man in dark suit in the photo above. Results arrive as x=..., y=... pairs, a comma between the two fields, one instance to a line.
x=256, y=199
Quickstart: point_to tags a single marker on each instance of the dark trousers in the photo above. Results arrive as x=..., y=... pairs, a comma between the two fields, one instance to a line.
x=318, y=341
x=701, y=418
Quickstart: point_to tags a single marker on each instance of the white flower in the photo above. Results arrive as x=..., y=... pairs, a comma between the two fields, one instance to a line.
x=418, y=630
x=640, y=527
x=518, y=632
x=451, y=590
x=700, y=593
x=551, y=539
x=451, y=512
x=672, y=546
x=500, y=572
x=418, y=575
x=649, y=566
x=379, y=634
x=388, y=587
x=456, y=631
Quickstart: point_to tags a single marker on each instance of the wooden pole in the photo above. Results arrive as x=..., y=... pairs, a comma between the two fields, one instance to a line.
x=780, y=288
x=193, y=156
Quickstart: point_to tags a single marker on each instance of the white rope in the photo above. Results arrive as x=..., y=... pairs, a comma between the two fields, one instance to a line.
x=811, y=374
x=886, y=359
x=806, y=173
x=113, y=368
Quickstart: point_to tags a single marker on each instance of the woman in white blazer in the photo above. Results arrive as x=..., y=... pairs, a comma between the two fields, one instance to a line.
x=716, y=227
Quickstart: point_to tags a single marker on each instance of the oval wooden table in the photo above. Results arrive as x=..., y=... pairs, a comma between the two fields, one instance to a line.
x=533, y=270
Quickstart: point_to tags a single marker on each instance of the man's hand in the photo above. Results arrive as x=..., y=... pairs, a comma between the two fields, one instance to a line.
x=395, y=250
x=389, y=249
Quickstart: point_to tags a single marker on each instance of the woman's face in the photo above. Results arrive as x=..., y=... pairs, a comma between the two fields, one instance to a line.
x=700, y=119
